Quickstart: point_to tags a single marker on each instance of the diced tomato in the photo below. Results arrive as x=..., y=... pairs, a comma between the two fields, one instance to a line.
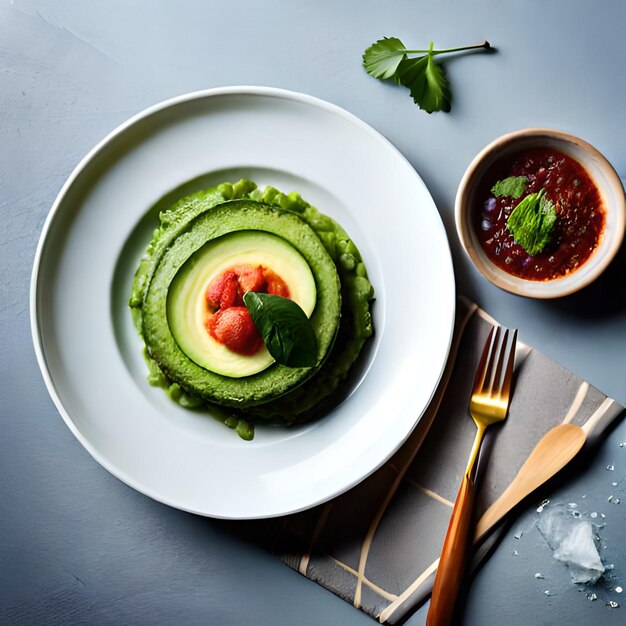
x=250, y=278
x=276, y=285
x=223, y=291
x=234, y=328
x=229, y=321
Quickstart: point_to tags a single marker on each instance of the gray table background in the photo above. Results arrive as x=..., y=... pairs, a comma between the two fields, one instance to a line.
x=78, y=546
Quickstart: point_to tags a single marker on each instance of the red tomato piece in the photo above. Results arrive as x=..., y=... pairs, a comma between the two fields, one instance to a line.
x=234, y=328
x=276, y=285
x=223, y=291
x=250, y=278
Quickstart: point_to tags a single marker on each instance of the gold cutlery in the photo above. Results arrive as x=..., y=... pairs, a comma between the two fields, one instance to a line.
x=489, y=404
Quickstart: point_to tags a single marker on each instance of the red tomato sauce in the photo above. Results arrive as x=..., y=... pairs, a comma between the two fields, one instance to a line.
x=580, y=215
x=229, y=321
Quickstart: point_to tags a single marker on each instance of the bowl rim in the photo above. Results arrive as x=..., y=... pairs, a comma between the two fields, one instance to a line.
x=515, y=284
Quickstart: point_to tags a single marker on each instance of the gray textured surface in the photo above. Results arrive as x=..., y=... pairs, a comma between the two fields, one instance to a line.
x=76, y=545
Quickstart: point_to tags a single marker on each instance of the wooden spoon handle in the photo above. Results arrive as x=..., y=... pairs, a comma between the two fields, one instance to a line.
x=553, y=452
x=453, y=557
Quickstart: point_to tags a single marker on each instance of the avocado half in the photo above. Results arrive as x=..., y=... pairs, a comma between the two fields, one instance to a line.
x=211, y=226
x=188, y=308
x=341, y=315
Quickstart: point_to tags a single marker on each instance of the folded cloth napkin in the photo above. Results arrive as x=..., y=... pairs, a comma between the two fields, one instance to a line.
x=377, y=545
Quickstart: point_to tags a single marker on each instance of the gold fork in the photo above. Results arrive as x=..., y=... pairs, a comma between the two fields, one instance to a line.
x=489, y=404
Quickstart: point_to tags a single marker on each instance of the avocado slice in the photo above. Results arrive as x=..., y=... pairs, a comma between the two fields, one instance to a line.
x=211, y=225
x=187, y=307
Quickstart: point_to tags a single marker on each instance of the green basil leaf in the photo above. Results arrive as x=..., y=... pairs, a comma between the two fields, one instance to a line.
x=285, y=328
x=513, y=186
x=531, y=222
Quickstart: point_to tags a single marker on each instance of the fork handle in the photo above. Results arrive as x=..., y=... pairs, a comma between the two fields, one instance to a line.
x=453, y=557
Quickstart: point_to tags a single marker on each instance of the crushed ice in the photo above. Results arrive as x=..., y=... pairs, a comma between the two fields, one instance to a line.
x=572, y=540
x=541, y=507
x=572, y=535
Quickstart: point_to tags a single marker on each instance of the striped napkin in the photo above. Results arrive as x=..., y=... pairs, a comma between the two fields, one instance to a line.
x=377, y=545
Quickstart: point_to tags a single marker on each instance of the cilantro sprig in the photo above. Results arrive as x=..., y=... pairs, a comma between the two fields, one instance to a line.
x=426, y=79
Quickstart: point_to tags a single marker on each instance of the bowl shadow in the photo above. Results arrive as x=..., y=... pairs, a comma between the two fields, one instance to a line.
x=602, y=299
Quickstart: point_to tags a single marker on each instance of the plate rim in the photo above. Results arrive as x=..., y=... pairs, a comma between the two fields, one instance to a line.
x=253, y=90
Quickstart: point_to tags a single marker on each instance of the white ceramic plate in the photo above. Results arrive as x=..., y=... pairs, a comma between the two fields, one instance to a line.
x=100, y=223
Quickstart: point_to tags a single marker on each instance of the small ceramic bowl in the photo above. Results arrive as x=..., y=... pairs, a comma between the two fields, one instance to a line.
x=600, y=171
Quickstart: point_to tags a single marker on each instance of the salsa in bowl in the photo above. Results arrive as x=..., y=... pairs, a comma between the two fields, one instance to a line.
x=540, y=213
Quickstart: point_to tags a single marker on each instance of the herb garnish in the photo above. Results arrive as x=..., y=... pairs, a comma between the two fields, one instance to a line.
x=513, y=186
x=531, y=222
x=426, y=79
x=285, y=328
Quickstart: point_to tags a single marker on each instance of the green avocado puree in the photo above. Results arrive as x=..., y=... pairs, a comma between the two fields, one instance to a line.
x=355, y=326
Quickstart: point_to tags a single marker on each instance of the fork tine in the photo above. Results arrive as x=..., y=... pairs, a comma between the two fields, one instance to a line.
x=508, y=374
x=481, y=369
x=489, y=367
x=495, y=382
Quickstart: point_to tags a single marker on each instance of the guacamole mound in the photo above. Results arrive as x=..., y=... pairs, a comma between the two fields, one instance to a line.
x=211, y=226
x=194, y=228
